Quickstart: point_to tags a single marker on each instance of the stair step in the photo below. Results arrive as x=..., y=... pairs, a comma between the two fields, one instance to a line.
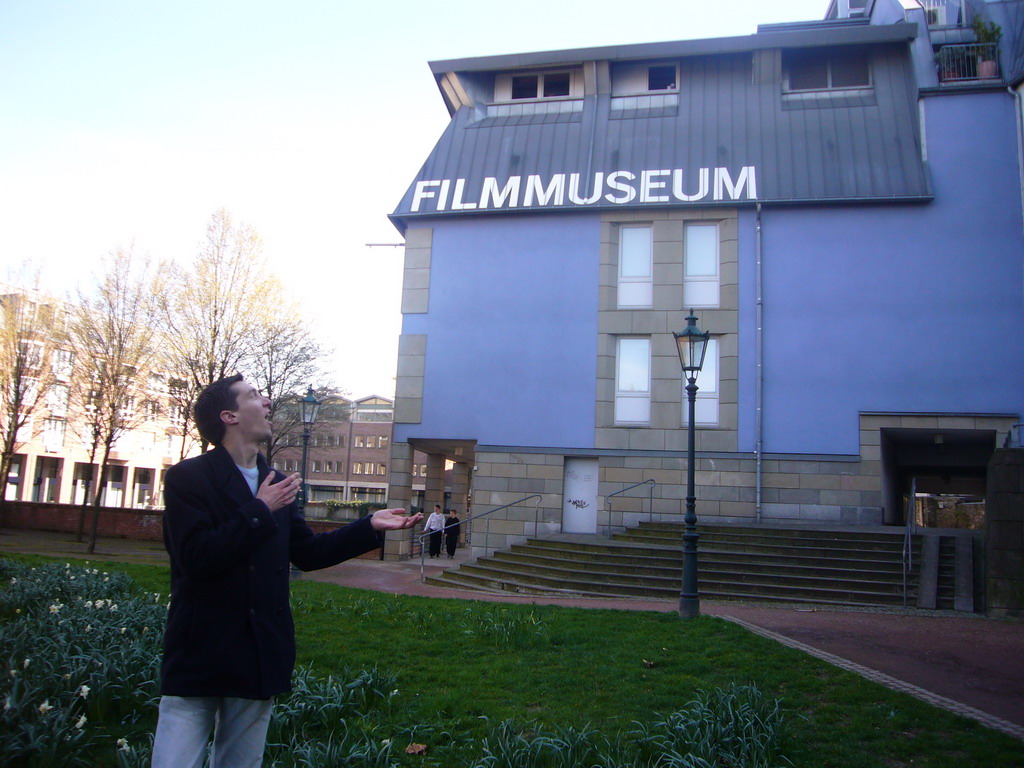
x=795, y=565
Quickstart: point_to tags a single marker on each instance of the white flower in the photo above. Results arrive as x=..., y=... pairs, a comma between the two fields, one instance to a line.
x=88, y=627
x=14, y=581
x=113, y=607
x=99, y=603
x=88, y=603
x=122, y=744
x=55, y=607
x=81, y=722
x=45, y=707
x=123, y=629
x=25, y=663
x=84, y=691
x=7, y=703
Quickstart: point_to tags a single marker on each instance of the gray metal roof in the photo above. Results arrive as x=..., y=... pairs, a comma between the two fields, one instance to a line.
x=730, y=114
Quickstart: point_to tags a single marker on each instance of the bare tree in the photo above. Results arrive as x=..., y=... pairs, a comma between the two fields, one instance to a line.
x=31, y=359
x=284, y=360
x=113, y=328
x=212, y=307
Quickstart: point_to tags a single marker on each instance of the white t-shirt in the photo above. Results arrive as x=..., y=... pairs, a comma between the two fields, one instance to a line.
x=252, y=477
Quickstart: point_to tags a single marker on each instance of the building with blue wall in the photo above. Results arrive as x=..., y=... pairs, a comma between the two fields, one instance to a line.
x=839, y=202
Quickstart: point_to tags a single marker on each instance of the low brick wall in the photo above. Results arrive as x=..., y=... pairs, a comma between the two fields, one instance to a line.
x=114, y=522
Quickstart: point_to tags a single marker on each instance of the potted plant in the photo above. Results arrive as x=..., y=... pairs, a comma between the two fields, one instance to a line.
x=988, y=36
x=953, y=63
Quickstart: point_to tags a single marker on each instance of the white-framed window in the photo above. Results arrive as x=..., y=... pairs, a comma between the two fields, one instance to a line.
x=662, y=77
x=382, y=469
x=641, y=78
x=371, y=442
x=53, y=435
x=176, y=414
x=700, y=266
x=31, y=355
x=360, y=441
x=63, y=364
x=57, y=400
x=706, y=403
x=633, y=380
x=636, y=267
x=357, y=468
x=809, y=69
x=532, y=86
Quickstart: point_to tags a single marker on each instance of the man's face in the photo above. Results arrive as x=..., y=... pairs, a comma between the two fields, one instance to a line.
x=252, y=417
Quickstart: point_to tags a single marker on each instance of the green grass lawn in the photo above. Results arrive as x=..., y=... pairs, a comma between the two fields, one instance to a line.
x=462, y=667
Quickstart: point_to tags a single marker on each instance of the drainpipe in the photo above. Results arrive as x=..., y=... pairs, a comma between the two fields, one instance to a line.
x=1018, y=101
x=759, y=377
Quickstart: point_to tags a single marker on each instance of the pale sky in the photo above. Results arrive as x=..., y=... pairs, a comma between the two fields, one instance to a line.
x=128, y=121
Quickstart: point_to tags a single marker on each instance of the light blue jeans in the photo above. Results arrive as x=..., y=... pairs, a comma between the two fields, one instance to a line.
x=183, y=732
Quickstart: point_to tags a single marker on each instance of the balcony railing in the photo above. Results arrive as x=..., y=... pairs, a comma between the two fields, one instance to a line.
x=977, y=61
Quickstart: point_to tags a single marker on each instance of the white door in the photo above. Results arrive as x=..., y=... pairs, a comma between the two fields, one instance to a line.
x=579, y=496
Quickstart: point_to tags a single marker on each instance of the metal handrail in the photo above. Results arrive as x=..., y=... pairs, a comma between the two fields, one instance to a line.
x=422, y=536
x=908, y=539
x=650, y=501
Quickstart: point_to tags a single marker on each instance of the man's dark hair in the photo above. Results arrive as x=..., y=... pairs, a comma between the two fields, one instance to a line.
x=212, y=400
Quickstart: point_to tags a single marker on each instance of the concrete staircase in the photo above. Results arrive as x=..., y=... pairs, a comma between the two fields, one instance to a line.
x=854, y=567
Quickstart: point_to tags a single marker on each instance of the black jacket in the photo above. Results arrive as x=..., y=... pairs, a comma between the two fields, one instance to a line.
x=229, y=629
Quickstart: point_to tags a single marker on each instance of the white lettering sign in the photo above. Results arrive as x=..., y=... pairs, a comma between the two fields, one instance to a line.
x=658, y=186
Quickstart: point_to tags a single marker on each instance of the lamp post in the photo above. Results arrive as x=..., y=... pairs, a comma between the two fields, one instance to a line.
x=309, y=409
x=691, y=344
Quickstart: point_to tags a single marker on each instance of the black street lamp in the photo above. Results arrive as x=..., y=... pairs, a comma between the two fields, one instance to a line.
x=692, y=344
x=309, y=410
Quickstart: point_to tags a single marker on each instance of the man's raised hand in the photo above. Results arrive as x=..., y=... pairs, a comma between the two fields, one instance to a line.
x=393, y=519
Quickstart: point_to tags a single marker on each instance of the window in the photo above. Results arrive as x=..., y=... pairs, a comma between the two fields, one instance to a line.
x=706, y=405
x=63, y=364
x=176, y=414
x=817, y=70
x=370, y=442
x=31, y=354
x=633, y=381
x=635, y=267
x=357, y=468
x=525, y=86
x=360, y=441
x=152, y=410
x=53, y=435
x=700, y=266
x=661, y=77
x=57, y=400
x=383, y=441
x=382, y=469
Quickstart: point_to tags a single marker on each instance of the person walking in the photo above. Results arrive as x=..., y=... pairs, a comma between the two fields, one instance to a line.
x=231, y=527
x=451, y=533
x=435, y=523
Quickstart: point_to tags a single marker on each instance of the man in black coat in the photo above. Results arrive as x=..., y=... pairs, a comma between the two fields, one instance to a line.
x=231, y=527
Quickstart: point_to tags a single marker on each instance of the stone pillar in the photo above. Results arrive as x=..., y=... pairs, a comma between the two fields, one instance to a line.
x=434, y=485
x=396, y=543
x=1004, y=534
x=460, y=492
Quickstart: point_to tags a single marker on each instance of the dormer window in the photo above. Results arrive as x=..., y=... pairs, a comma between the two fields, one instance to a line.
x=534, y=86
x=661, y=77
x=817, y=70
x=644, y=78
